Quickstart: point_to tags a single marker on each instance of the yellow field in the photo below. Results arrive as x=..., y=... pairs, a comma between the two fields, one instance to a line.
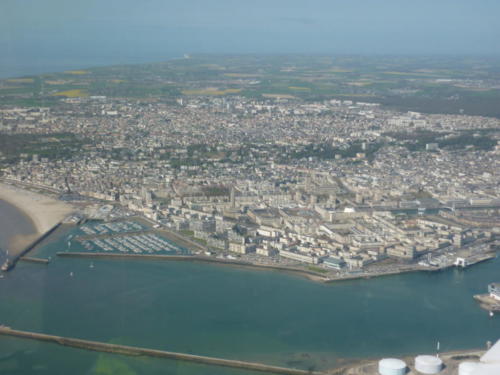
x=77, y=72
x=407, y=73
x=339, y=70
x=360, y=83
x=476, y=89
x=213, y=66
x=56, y=82
x=241, y=75
x=210, y=92
x=299, y=88
x=71, y=93
x=353, y=95
x=20, y=80
x=283, y=96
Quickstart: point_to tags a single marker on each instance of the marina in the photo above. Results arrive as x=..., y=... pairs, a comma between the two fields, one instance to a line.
x=125, y=237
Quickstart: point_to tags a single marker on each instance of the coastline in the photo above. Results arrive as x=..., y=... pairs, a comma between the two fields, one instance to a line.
x=195, y=258
x=309, y=275
x=46, y=212
x=42, y=211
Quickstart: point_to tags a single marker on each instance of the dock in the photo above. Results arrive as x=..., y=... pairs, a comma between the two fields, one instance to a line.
x=137, y=351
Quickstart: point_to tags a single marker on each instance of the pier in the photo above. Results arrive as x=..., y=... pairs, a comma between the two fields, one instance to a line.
x=137, y=351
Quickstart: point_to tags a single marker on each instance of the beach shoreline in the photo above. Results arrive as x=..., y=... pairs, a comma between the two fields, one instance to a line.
x=42, y=211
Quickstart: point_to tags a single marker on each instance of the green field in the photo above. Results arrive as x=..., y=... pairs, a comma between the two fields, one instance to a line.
x=432, y=85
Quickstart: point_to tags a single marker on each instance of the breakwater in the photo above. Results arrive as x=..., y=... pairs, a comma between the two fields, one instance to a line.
x=137, y=351
x=34, y=260
x=196, y=258
x=12, y=262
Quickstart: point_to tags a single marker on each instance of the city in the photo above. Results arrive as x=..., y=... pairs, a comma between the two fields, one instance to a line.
x=230, y=188
x=339, y=188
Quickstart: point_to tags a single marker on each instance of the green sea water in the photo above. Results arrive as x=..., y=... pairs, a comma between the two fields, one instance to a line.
x=234, y=313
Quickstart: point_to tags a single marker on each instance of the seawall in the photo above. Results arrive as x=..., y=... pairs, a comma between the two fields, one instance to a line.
x=195, y=258
x=137, y=351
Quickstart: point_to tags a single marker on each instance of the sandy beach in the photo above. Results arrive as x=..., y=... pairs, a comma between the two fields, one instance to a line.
x=44, y=212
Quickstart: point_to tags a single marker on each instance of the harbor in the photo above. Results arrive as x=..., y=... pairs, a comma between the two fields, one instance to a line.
x=191, y=324
x=83, y=271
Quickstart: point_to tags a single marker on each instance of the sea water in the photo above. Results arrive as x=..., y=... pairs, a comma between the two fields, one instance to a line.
x=234, y=313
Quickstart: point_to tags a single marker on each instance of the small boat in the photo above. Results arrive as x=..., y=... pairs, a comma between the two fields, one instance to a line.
x=71, y=274
x=492, y=313
x=91, y=265
x=6, y=266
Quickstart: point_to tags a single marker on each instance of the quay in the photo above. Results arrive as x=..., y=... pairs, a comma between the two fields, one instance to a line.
x=313, y=276
x=195, y=258
x=137, y=351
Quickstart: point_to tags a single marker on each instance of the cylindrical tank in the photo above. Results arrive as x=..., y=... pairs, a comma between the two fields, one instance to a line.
x=391, y=366
x=467, y=368
x=428, y=364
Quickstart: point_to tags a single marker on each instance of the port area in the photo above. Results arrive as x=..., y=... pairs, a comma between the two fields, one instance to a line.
x=135, y=237
x=451, y=361
x=488, y=303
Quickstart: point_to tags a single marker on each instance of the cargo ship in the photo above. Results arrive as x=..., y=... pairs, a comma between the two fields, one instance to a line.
x=490, y=301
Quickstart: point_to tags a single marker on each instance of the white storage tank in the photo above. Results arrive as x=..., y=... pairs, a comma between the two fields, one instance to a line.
x=428, y=364
x=391, y=366
x=467, y=368
x=478, y=368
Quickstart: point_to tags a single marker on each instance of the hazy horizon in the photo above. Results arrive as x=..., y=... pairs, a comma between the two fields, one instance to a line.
x=62, y=33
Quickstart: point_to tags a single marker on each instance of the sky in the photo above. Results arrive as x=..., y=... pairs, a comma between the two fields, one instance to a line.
x=100, y=31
